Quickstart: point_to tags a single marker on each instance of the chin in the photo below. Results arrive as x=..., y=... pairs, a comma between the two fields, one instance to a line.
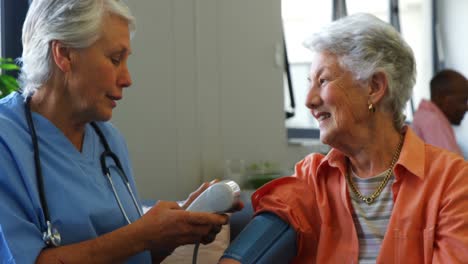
x=107, y=118
x=328, y=137
x=103, y=117
x=324, y=138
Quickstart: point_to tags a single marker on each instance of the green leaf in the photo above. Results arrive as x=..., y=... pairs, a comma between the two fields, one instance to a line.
x=6, y=60
x=9, y=67
x=8, y=83
x=3, y=89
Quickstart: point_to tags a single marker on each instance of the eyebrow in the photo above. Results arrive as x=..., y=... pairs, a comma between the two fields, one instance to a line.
x=126, y=50
x=320, y=71
x=122, y=49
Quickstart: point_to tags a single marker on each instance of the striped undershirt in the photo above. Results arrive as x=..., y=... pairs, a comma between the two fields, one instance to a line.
x=371, y=221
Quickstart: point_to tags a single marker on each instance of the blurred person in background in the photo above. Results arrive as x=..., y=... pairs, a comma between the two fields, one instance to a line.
x=433, y=119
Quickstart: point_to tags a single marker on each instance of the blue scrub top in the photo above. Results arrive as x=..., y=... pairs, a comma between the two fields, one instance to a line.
x=81, y=203
x=5, y=254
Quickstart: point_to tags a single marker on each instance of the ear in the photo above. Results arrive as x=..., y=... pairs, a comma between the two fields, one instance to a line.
x=378, y=86
x=61, y=56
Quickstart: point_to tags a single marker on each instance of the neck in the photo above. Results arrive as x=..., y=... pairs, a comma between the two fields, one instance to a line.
x=49, y=102
x=373, y=150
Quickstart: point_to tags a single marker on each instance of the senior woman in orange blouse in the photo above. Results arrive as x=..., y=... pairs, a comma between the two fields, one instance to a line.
x=381, y=195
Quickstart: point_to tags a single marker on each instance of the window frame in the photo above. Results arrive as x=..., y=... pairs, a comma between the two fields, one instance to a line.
x=12, y=15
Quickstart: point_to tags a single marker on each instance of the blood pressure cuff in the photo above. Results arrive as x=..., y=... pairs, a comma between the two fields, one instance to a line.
x=266, y=239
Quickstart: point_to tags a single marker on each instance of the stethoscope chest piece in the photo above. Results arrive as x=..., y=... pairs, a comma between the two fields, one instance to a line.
x=52, y=236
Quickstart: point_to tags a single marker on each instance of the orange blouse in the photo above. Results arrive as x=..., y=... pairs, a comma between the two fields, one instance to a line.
x=429, y=222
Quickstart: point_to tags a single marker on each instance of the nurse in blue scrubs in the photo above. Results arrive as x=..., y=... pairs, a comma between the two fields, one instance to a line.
x=64, y=168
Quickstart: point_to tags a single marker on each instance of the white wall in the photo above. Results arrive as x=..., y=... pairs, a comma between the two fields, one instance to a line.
x=453, y=20
x=206, y=88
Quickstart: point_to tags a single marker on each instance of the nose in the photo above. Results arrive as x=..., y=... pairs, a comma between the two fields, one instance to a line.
x=313, y=99
x=125, y=78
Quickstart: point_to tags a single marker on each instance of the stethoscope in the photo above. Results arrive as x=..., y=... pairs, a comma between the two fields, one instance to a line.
x=51, y=235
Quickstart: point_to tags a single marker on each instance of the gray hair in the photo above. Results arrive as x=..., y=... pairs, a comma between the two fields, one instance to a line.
x=76, y=23
x=365, y=45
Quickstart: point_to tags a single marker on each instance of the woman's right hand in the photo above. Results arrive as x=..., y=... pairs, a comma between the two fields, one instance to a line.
x=162, y=229
x=167, y=226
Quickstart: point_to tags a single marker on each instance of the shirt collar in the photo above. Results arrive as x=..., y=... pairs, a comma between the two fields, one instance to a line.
x=412, y=156
x=335, y=159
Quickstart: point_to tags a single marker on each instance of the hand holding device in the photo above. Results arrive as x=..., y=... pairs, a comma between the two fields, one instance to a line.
x=218, y=198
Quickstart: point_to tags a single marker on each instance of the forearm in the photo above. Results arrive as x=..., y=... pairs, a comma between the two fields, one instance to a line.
x=114, y=247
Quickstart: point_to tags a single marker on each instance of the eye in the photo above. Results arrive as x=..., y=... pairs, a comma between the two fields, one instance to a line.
x=322, y=81
x=115, y=60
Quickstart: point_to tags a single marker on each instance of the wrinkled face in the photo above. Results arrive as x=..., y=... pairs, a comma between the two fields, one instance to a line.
x=99, y=73
x=335, y=99
x=456, y=103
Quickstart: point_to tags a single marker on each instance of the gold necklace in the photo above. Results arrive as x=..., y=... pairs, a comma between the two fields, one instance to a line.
x=371, y=198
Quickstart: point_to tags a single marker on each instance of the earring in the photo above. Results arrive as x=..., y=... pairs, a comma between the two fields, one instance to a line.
x=371, y=108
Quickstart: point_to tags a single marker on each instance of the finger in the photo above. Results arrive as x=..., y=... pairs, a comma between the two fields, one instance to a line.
x=208, y=239
x=203, y=187
x=236, y=207
x=167, y=204
x=216, y=229
x=197, y=234
x=192, y=196
x=214, y=181
x=212, y=235
x=202, y=218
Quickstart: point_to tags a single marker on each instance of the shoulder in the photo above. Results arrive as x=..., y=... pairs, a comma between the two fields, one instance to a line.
x=446, y=178
x=11, y=110
x=422, y=158
x=440, y=170
x=314, y=164
x=442, y=159
x=13, y=126
x=304, y=171
x=311, y=161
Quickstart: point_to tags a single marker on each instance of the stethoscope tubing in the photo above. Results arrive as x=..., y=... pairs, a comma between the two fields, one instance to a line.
x=37, y=161
x=51, y=236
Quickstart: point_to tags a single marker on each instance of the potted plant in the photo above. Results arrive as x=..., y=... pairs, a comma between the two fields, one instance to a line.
x=259, y=173
x=8, y=83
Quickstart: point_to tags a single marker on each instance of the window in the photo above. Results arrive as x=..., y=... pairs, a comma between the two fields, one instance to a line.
x=12, y=14
x=303, y=17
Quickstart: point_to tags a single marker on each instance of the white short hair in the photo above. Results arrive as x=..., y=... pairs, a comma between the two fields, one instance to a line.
x=365, y=45
x=76, y=23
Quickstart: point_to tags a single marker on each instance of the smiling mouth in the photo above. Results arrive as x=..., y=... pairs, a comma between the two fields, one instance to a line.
x=322, y=117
